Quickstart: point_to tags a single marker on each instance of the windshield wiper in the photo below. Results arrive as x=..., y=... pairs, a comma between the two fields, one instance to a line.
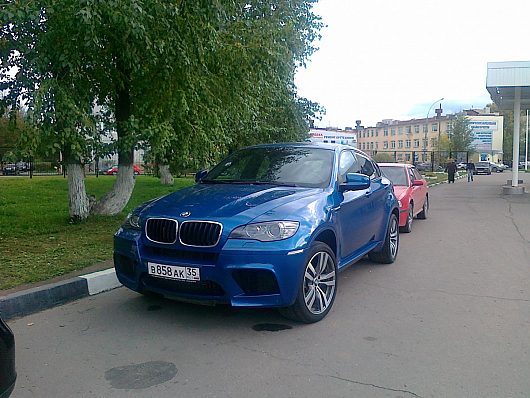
x=279, y=183
x=243, y=182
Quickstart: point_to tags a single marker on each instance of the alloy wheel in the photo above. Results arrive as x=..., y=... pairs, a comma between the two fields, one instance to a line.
x=393, y=236
x=319, y=282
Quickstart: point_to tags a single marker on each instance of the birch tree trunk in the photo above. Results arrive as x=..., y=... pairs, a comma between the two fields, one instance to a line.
x=165, y=175
x=78, y=201
x=114, y=201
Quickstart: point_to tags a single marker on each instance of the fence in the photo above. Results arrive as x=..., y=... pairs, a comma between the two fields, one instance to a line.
x=424, y=160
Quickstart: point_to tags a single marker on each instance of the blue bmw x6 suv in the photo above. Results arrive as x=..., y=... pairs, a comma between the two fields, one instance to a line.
x=269, y=226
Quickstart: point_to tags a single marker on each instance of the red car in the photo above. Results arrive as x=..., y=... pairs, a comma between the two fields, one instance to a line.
x=410, y=189
x=114, y=170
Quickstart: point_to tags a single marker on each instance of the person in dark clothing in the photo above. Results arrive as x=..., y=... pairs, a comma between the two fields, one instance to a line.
x=470, y=168
x=451, y=170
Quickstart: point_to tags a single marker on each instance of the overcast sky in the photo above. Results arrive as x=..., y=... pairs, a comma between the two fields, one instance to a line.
x=390, y=59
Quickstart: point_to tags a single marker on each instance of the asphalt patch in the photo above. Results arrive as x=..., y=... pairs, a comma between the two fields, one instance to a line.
x=140, y=376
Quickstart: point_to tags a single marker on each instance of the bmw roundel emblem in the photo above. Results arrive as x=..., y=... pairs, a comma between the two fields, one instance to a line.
x=185, y=214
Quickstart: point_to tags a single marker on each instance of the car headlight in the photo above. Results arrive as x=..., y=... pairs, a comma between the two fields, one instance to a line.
x=132, y=221
x=400, y=204
x=266, y=231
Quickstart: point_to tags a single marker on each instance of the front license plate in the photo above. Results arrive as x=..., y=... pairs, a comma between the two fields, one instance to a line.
x=174, y=272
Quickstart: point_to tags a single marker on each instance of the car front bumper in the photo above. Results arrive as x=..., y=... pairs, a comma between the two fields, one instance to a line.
x=243, y=273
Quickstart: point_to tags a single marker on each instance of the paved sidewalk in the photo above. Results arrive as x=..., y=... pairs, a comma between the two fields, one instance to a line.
x=477, y=200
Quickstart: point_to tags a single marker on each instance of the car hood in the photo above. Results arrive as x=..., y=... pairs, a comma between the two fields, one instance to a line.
x=217, y=201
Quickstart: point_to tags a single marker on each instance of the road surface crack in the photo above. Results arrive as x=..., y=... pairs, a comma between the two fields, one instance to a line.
x=371, y=385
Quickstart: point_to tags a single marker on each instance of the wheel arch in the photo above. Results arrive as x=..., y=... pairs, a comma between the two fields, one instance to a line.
x=328, y=237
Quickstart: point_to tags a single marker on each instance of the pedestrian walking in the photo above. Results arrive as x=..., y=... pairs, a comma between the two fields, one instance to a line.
x=451, y=170
x=470, y=168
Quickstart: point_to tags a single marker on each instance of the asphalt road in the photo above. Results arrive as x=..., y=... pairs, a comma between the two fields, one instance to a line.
x=451, y=318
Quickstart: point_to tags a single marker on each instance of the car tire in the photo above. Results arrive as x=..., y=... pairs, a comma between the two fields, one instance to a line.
x=407, y=228
x=318, y=287
x=388, y=254
x=423, y=214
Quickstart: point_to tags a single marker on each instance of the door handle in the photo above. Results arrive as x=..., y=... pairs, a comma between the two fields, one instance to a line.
x=368, y=194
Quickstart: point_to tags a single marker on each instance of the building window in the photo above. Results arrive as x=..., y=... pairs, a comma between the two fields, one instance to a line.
x=385, y=145
x=376, y=145
x=425, y=128
x=407, y=144
x=371, y=145
x=434, y=127
x=425, y=142
x=400, y=157
x=433, y=142
x=372, y=132
x=400, y=144
x=424, y=157
x=400, y=130
x=377, y=133
x=449, y=127
x=385, y=132
x=417, y=128
x=407, y=157
x=393, y=132
x=416, y=143
x=393, y=144
x=364, y=145
x=409, y=129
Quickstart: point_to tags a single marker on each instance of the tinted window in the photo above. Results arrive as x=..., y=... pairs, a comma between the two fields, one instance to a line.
x=366, y=167
x=396, y=174
x=348, y=163
x=306, y=167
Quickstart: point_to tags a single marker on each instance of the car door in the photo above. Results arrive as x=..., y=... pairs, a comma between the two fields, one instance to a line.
x=418, y=192
x=377, y=196
x=353, y=214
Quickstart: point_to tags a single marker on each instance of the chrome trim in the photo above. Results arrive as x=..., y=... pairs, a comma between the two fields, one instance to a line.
x=201, y=221
x=162, y=218
x=295, y=252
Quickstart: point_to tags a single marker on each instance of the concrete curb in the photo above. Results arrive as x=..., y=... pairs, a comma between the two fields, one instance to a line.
x=47, y=296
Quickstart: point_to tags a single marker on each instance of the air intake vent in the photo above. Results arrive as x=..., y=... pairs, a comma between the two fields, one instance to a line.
x=161, y=230
x=200, y=233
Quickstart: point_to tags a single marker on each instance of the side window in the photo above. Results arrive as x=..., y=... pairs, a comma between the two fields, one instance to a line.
x=348, y=163
x=412, y=177
x=417, y=175
x=367, y=167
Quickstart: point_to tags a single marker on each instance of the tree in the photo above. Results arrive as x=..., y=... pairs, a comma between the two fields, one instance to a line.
x=461, y=135
x=188, y=78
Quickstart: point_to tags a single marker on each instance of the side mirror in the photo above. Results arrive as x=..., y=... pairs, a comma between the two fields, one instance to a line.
x=200, y=175
x=417, y=183
x=355, y=182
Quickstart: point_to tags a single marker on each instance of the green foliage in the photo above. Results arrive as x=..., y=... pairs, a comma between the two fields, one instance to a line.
x=461, y=136
x=190, y=80
x=384, y=157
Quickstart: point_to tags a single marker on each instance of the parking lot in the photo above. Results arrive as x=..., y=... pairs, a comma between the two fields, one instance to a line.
x=450, y=318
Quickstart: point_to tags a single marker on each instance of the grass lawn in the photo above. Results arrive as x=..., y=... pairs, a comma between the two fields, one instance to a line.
x=37, y=242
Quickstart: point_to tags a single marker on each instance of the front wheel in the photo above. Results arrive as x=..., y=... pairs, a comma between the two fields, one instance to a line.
x=388, y=253
x=318, y=287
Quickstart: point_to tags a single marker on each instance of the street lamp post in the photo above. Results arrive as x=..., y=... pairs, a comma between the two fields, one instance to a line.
x=427, y=130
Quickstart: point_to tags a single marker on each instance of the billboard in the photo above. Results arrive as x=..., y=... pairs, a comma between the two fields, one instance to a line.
x=482, y=132
x=335, y=137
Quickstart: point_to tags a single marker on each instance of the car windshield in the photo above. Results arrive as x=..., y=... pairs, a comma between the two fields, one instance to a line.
x=483, y=164
x=290, y=166
x=396, y=174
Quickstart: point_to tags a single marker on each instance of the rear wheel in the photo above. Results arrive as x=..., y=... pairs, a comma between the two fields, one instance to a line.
x=410, y=216
x=318, y=288
x=388, y=253
x=422, y=215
